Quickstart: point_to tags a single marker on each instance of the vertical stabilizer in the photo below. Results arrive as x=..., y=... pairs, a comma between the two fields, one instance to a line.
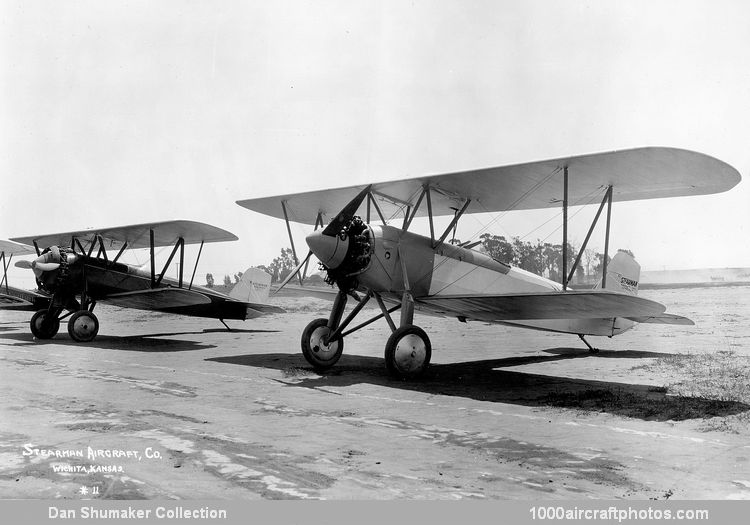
x=623, y=273
x=253, y=287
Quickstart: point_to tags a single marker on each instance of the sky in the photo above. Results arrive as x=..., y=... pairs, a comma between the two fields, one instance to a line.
x=125, y=112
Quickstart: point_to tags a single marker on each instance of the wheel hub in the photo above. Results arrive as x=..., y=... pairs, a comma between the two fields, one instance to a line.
x=410, y=353
x=317, y=343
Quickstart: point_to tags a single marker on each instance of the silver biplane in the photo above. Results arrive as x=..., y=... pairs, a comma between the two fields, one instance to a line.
x=76, y=271
x=393, y=265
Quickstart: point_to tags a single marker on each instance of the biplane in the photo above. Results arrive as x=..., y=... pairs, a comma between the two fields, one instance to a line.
x=402, y=270
x=74, y=268
x=12, y=298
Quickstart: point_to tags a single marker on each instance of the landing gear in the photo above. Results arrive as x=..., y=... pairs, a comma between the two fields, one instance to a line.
x=44, y=325
x=320, y=353
x=408, y=352
x=83, y=326
x=591, y=348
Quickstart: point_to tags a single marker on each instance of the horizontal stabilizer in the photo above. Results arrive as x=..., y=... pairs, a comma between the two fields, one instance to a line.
x=547, y=305
x=257, y=310
x=663, y=319
x=157, y=299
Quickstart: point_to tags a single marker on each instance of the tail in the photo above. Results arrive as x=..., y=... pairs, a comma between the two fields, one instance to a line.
x=253, y=287
x=623, y=273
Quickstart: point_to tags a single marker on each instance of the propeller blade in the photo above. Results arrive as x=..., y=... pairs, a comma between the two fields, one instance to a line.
x=346, y=214
x=45, y=267
x=291, y=275
x=26, y=265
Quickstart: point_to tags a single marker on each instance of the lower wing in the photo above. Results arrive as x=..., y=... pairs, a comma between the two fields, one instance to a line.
x=546, y=305
x=157, y=298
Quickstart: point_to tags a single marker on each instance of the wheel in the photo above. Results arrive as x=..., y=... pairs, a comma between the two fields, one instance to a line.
x=83, y=326
x=44, y=326
x=321, y=356
x=408, y=352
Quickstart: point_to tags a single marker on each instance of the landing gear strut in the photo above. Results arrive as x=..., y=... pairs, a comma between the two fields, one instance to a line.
x=591, y=348
x=408, y=350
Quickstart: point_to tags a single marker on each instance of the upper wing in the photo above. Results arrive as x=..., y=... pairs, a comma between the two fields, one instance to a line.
x=157, y=298
x=13, y=248
x=545, y=305
x=137, y=235
x=642, y=173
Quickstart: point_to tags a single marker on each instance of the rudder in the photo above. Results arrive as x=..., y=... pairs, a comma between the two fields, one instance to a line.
x=254, y=287
x=623, y=273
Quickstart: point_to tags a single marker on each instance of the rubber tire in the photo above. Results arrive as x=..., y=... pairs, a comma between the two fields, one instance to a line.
x=38, y=327
x=396, y=344
x=311, y=350
x=83, y=326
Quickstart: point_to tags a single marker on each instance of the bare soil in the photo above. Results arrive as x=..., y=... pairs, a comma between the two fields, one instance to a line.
x=504, y=413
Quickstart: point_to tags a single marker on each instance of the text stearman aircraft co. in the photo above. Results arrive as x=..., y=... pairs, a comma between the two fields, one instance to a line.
x=75, y=272
x=391, y=264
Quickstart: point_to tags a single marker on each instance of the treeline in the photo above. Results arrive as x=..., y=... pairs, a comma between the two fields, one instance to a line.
x=541, y=258
x=279, y=269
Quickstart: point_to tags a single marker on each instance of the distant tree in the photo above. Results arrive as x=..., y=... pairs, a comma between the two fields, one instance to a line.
x=282, y=265
x=599, y=266
x=589, y=256
x=498, y=248
x=209, y=280
x=227, y=280
x=238, y=277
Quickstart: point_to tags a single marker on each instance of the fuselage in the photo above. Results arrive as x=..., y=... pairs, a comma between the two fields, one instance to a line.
x=104, y=279
x=449, y=270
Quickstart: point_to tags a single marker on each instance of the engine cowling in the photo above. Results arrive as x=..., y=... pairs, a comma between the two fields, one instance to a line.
x=345, y=255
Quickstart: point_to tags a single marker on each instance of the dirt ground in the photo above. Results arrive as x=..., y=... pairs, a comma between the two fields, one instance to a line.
x=503, y=413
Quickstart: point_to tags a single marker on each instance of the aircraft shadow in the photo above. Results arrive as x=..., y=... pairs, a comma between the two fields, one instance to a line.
x=487, y=381
x=134, y=343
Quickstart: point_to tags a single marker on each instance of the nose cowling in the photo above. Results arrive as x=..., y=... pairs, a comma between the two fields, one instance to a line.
x=330, y=250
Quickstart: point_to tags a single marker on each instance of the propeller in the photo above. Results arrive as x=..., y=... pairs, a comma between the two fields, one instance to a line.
x=346, y=214
x=294, y=272
x=38, y=265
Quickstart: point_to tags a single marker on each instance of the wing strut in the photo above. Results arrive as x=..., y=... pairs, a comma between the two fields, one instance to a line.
x=568, y=276
x=5, y=270
x=181, y=245
x=291, y=240
x=606, y=199
x=606, y=237
x=200, y=250
x=565, y=230
x=453, y=223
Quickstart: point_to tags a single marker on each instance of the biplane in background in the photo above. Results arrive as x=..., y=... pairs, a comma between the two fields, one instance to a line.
x=12, y=298
x=77, y=272
x=394, y=265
